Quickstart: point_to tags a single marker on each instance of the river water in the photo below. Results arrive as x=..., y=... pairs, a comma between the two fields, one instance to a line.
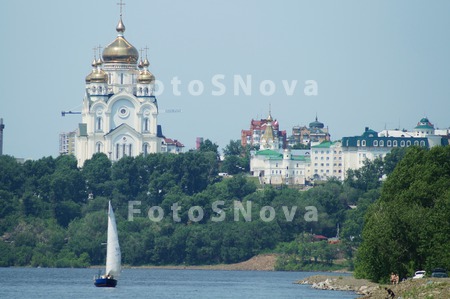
x=52, y=283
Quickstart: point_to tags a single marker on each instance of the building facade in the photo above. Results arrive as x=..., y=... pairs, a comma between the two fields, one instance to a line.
x=120, y=110
x=371, y=144
x=280, y=167
x=262, y=132
x=314, y=134
x=326, y=161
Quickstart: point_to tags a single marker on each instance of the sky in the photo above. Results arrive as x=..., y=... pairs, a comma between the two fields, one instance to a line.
x=379, y=64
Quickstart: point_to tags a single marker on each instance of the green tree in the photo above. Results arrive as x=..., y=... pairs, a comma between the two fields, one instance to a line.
x=407, y=227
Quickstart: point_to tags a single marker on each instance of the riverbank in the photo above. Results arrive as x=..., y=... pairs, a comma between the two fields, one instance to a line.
x=436, y=288
x=262, y=262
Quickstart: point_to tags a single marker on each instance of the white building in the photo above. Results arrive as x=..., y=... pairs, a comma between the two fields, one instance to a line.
x=326, y=161
x=119, y=114
x=371, y=144
x=278, y=167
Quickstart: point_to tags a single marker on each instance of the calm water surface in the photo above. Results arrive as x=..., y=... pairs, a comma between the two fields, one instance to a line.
x=159, y=283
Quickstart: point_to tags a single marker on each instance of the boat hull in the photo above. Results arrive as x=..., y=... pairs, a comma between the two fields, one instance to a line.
x=105, y=282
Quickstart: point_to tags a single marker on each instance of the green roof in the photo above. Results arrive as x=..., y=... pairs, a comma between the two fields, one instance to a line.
x=323, y=144
x=268, y=152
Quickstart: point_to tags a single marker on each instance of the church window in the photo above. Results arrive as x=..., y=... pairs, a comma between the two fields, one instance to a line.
x=416, y=143
x=402, y=143
x=140, y=90
x=146, y=91
x=422, y=143
x=117, y=151
x=394, y=143
x=121, y=78
x=146, y=124
x=357, y=143
x=381, y=143
x=130, y=150
x=389, y=143
x=99, y=124
x=124, y=153
x=146, y=149
x=375, y=143
x=99, y=147
x=408, y=143
x=363, y=143
x=100, y=90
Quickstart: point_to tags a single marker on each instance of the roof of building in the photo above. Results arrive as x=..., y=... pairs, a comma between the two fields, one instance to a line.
x=269, y=152
x=424, y=123
x=323, y=144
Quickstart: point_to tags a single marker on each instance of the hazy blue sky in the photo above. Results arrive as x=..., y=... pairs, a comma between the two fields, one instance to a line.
x=377, y=63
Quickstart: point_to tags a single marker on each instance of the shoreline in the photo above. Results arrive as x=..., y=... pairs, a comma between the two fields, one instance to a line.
x=437, y=288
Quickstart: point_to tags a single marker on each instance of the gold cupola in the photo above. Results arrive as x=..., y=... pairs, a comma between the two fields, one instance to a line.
x=94, y=66
x=145, y=77
x=120, y=50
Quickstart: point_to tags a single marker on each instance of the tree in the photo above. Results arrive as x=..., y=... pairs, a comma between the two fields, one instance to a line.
x=209, y=146
x=407, y=228
x=234, y=148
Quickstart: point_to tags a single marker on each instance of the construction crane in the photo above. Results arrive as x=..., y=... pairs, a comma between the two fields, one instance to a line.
x=63, y=113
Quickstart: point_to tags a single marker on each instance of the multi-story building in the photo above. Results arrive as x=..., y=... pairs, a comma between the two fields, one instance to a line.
x=371, y=144
x=326, y=161
x=67, y=143
x=314, y=134
x=255, y=135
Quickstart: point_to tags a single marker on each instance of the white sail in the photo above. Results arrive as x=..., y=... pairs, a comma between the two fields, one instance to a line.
x=113, y=256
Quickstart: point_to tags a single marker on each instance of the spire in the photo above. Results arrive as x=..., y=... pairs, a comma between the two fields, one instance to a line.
x=269, y=118
x=120, y=26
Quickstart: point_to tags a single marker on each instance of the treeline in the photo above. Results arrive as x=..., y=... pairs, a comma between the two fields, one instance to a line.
x=53, y=214
x=408, y=227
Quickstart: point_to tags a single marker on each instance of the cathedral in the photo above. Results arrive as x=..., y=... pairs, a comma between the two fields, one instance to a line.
x=119, y=114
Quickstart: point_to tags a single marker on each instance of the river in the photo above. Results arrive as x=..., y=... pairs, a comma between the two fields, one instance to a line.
x=52, y=283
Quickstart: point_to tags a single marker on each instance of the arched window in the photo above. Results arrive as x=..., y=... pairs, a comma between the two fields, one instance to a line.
x=422, y=143
x=375, y=143
x=146, y=124
x=145, y=149
x=394, y=143
x=99, y=124
x=146, y=91
x=408, y=143
x=402, y=143
x=130, y=150
x=389, y=143
x=416, y=143
x=363, y=143
x=99, y=147
x=381, y=143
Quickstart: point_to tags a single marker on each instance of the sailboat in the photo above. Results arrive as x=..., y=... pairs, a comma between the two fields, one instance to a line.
x=113, y=256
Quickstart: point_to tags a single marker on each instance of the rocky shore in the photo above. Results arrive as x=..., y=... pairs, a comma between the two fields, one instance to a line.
x=436, y=288
x=340, y=283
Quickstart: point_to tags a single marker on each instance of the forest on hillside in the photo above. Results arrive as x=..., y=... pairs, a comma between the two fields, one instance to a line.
x=53, y=214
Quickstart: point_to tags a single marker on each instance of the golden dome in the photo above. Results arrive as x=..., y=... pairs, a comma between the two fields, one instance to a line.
x=120, y=50
x=145, y=77
x=94, y=65
x=99, y=76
